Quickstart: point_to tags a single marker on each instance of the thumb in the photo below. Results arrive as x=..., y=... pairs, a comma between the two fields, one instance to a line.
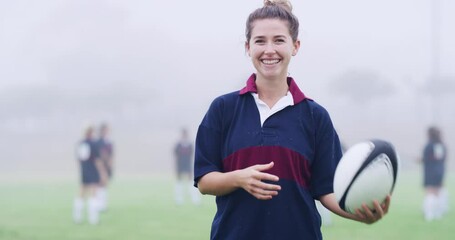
x=263, y=167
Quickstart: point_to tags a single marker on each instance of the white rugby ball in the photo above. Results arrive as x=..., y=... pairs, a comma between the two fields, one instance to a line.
x=367, y=171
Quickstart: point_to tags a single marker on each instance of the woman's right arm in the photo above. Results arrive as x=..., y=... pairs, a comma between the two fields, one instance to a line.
x=250, y=179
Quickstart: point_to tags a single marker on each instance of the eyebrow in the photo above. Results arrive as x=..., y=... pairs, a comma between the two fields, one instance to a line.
x=277, y=36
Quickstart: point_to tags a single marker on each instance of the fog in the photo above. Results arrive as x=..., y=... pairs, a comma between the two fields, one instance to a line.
x=383, y=69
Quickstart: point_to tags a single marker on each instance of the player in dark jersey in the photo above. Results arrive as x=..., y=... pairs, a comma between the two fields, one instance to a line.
x=184, y=154
x=267, y=151
x=90, y=166
x=105, y=149
x=435, y=202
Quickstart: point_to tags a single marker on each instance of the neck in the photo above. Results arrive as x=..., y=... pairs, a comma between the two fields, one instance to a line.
x=271, y=90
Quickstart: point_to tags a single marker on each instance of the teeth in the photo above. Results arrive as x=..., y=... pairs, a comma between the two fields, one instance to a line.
x=273, y=61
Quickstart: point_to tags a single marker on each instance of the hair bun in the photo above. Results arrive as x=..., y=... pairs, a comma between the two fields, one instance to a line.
x=282, y=3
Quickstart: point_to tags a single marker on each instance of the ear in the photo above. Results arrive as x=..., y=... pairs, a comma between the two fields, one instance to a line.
x=296, y=47
x=247, y=48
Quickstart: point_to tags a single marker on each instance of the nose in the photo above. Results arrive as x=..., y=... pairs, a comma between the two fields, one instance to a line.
x=269, y=48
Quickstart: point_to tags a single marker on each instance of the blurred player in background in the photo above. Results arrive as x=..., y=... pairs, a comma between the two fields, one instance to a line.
x=105, y=149
x=435, y=203
x=183, y=153
x=90, y=167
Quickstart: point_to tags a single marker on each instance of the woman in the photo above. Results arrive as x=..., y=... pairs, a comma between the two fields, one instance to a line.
x=267, y=151
x=90, y=168
x=434, y=157
x=184, y=155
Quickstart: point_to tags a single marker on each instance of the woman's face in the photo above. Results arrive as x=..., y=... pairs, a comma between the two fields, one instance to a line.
x=271, y=48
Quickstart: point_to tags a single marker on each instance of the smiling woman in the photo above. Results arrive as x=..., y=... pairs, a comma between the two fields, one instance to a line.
x=267, y=152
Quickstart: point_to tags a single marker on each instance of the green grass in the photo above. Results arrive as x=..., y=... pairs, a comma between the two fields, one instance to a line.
x=143, y=208
x=404, y=220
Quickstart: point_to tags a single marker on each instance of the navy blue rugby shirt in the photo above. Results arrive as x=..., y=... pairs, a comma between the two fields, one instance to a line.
x=299, y=139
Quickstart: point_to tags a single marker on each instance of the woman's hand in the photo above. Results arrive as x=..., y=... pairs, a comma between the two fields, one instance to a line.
x=369, y=216
x=364, y=215
x=252, y=180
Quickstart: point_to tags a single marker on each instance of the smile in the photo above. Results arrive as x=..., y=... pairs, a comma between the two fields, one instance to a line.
x=270, y=61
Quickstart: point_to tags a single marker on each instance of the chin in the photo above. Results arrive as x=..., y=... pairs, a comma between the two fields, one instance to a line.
x=272, y=74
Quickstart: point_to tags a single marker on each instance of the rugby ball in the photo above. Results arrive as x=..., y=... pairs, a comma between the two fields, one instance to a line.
x=367, y=171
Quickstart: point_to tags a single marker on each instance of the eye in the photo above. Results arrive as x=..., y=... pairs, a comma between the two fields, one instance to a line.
x=259, y=41
x=280, y=40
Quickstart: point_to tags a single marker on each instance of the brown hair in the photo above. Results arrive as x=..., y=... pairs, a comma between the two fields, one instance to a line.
x=88, y=132
x=274, y=9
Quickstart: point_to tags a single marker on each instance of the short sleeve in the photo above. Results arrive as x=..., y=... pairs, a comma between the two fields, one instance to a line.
x=327, y=154
x=208, y=142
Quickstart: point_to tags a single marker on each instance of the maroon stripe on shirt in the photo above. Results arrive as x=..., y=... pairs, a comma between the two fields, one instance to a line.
x=288, y=164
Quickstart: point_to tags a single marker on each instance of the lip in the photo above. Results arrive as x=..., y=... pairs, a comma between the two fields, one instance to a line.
x=270, y=61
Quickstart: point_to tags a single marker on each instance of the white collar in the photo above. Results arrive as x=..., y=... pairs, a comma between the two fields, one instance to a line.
x=264, y=110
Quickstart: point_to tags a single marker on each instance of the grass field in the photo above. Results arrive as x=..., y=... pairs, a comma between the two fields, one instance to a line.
x=143, y=208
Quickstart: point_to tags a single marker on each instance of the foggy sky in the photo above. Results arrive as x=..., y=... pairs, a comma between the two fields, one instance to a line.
x=150, y=67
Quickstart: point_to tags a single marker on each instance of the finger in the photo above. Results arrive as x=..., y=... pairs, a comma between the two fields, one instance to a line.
x=263, y=194
x=267, y=176
x=367, y=211
x=369, y=216
x=386, y=204
x=267, y=186
x=262, y=197
x=360, y=214
x=378, y=212
x=264, y=190
x=264, y=167
x=375, y=214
